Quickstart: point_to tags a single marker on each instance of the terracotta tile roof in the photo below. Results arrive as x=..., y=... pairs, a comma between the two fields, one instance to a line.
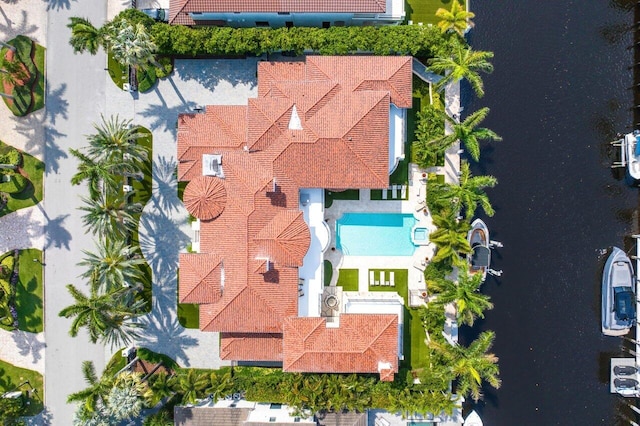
x=200, y=278
x=358, y=345
x=179, y=9
x=251, y=347
x=285, y=238
x=205, y=197
x=320, y=124
x=207, y=416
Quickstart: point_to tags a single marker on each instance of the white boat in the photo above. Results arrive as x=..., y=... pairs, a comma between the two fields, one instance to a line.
x=480, y=256
x=473, y=419
x=618, y=294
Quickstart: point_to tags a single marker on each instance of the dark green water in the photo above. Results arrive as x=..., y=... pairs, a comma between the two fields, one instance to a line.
x=558, y=95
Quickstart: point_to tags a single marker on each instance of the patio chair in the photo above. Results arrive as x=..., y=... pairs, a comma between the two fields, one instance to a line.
x=376, y=282
x=372, y=278
x=300, y=293
x=392, y=279
x=386, y=280
x=394, y=191
x=384, y=194
x=381, y=277
x=421, y=205
x=403, y=191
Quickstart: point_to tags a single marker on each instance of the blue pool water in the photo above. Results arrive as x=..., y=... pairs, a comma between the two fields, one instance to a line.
x=375, y=234
x=420, y=234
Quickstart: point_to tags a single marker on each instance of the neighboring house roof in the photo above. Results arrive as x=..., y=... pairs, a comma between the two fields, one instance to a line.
x=179, y=9
x=348, y=418
x=319, y=124
x=251, y=347
x=361, y=344
x=206, y=416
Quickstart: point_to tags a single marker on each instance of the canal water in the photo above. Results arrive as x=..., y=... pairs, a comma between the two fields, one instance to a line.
x=558, y=95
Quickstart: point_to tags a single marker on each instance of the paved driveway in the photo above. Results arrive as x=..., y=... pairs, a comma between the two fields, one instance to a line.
x=164, y=230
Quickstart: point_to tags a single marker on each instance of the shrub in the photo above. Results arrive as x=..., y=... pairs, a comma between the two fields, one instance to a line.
x=166, y=69
x=12, y=157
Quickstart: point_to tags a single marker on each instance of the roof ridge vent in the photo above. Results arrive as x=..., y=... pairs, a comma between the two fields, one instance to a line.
x=294, y=121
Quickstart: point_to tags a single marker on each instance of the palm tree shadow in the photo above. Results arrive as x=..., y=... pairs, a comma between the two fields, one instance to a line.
x=232, y=71
x=56, y=234
x=165, y=118
x=165, y=290
x=29, y=345
x=56, y=104
x=58, y=4
x=54, y=152
x=9, y=30
x=164, y=334
x=160, y=241
x=165, y=191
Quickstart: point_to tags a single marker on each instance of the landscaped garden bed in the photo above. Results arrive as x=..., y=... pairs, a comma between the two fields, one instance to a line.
x=21, y=185
x=14, y=378
x=21, y=288
x=27, y=94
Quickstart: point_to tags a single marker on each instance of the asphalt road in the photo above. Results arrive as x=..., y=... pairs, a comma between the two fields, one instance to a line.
x=75, y=99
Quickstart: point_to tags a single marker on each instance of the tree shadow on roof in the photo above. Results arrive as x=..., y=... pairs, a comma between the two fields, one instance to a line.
x=211, y=72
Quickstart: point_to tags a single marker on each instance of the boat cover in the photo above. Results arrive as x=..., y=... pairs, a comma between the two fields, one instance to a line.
x=480, y=257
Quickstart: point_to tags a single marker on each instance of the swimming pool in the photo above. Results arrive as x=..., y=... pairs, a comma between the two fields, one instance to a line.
x=375, y=234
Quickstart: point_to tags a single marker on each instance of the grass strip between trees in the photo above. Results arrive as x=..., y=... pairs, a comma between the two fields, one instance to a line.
x=32, y=194
x=12, y=376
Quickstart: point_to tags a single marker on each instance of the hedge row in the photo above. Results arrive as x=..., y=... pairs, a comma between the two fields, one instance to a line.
x=416, y=40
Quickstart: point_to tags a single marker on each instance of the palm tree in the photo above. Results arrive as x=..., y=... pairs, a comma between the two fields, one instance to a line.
x=128, y=396
x=131, y=45
x=84, y=36
x=450, y=237
x=104, y=316
x=191, y=383
x=468, y=133
x=220, y=385
x=464, y=63
x=110, y=216
x=471, y=365
x=113, y=267
x=457, y=19
x=96, y=392
x=12, y=72
x=115, y=143
x=100, y=175
x=468, y=194
x=470, y=303
x=162, y=386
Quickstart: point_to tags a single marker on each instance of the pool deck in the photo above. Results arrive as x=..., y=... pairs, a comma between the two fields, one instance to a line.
x=416, y=192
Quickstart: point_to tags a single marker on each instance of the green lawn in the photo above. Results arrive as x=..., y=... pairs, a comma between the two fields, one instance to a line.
x=414, y=347
x=189, y=315
x=328, y=272
x=425, y=10
x=29, y=291
x=348, y=279
x=12, y=376
x=349, y=194
x=32, y=194
x=142, y=194
x=119, y=75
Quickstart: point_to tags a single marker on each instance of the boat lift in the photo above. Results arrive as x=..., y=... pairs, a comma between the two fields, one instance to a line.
x=616, y=363
x=619, y=143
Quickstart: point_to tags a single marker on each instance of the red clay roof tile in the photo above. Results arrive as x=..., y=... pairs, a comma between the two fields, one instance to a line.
x=205, y=197
x=260, y=235
x=251, y=347
x=359, y=345
x=200, y=278
x=179, y=9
